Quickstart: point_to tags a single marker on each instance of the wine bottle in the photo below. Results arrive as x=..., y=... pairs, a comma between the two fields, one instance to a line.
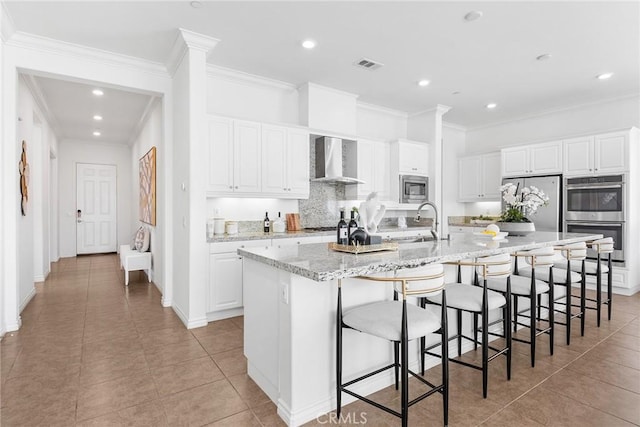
x=353, y=225
x=267, y=223
x=343, y=238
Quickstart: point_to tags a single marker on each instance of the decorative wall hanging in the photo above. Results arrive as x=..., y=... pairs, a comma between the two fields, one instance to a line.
x=148, y=187
x=23, y=168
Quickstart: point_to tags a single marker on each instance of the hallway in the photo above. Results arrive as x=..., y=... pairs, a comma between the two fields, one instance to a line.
x=93, y=353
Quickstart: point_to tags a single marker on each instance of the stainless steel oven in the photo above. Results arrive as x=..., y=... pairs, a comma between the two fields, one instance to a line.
x=616, y=230
x=595, y=198
x=413, y=189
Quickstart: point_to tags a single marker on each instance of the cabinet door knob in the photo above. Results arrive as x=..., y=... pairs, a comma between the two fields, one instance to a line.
x=236, y=187
x=231, y=187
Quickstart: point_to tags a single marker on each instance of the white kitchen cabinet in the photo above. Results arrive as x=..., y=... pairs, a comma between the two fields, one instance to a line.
x=410, y=157
x=535, y=159
x=597, y=155
x=479, y=178
x=291, y=241
x=285, y=162
x=224, y=297
x=235, y=149
x=373, y=169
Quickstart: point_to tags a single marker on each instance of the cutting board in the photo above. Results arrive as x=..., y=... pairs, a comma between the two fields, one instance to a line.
x=293, y=222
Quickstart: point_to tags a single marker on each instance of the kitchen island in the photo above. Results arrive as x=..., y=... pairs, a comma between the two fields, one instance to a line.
x=290, y=296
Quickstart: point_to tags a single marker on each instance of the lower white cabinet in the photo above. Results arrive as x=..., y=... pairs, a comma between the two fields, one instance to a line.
x=224, y=297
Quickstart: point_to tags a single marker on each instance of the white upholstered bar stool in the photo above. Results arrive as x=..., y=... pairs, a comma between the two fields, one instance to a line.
x=540, y=262
x=478, y=300
x=598, y=269
x=397, y=322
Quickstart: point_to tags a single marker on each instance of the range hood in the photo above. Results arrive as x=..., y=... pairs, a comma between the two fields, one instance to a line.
x=336, y=160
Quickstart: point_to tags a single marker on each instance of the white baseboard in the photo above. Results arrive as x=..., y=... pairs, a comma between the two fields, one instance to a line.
x=190, y=323
x=38, y=279
x=166, y=302
x=224, y=314
x=26, y=300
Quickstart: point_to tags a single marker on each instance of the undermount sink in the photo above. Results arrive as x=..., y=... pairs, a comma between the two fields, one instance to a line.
x=413, y=239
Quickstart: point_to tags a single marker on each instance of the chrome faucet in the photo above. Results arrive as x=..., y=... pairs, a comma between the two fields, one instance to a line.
x=434, y=229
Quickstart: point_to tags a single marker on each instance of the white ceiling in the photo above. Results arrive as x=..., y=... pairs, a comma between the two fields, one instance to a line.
x=489, y=60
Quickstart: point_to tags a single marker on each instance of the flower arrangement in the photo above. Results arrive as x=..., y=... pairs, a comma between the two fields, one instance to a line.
x=519, y=206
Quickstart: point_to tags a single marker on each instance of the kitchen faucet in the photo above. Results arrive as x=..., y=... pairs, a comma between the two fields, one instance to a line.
x=434, y=229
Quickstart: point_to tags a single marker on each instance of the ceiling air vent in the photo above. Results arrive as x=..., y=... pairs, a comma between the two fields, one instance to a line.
x=368, y=64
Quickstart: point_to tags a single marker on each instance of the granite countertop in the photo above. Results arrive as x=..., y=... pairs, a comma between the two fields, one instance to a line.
x=259, y=235
x=319, y=263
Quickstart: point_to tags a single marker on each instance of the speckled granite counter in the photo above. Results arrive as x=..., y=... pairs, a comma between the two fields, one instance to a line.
x=317, y=262
x=259, y=235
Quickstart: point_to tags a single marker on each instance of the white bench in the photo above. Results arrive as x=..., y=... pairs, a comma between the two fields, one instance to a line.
x=132, y=260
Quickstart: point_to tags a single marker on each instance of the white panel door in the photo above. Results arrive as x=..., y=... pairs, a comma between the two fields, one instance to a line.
x=578, y=156
x=220, y=145
x=469, y=180
x=611, y=153
x=274, y=152
x=546, y=158
x=298, y=163
x=225, y=281
x=96, y=216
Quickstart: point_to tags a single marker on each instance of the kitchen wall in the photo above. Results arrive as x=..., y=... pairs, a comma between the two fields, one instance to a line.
x=73, y=152
x=554, y=125
x=590, y=118
x=150, y=135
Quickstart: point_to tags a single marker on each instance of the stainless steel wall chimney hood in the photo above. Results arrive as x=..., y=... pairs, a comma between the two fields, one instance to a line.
x=336, y=160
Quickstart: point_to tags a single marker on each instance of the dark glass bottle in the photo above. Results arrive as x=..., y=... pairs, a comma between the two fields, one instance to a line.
x=343, y=230
x=353, y=225
x=267, y=223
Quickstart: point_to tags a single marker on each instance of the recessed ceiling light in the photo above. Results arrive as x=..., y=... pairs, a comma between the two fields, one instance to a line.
x=423, y=83
x=96, y=133
x=97, y=92
x=543, y=57
x=97, y=117
x=457, y=92
x=196, y=4
x=492, y=105
x=309, y=44
x=473, y=15
x=604, y=76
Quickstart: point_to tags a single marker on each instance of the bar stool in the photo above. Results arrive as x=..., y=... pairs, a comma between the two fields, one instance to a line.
x=563, y=279
x=477, y=300
x=597, y=269
x=524, y=287
x=398, y=322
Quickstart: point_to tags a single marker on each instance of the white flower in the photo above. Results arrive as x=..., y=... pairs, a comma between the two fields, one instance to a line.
x=527, y=201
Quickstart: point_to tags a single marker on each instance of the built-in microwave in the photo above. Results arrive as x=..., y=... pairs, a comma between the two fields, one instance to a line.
x=413, y=189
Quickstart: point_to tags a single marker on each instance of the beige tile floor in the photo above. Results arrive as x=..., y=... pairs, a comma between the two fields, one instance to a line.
x=92, y=352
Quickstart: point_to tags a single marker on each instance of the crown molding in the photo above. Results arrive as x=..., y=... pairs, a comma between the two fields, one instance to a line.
x=47, y=45
x=438, y=109
x=454, y=126
x=7, y=27
x=328, y=89
x=41, y=102
x=137, y=130
x=184, y=41
x=381, y=109
x=554, y=111
x=236, y=76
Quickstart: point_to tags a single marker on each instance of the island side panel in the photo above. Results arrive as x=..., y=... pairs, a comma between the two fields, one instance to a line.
x=261, y=327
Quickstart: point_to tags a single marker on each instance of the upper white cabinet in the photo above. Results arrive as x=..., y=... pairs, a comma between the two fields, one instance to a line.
x=410, y=157
x=373, y=169
x=536, y=159
x=257, y=160
x=234, y=156
x=597, y=155
x=479, y=178
x=285, y=166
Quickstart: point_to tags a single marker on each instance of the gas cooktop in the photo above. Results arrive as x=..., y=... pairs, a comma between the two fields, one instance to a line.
x=312, y=229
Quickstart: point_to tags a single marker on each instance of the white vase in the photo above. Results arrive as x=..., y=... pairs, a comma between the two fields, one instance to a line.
x=517, y=228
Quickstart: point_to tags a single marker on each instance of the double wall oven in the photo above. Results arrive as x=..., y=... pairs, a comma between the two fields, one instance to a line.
x=596, y=204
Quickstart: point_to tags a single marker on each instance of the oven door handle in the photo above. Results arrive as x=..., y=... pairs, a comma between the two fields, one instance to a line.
x=596, y=224
x=593, y=187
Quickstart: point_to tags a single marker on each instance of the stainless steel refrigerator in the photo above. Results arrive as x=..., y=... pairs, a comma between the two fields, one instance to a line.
x=547, y=218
